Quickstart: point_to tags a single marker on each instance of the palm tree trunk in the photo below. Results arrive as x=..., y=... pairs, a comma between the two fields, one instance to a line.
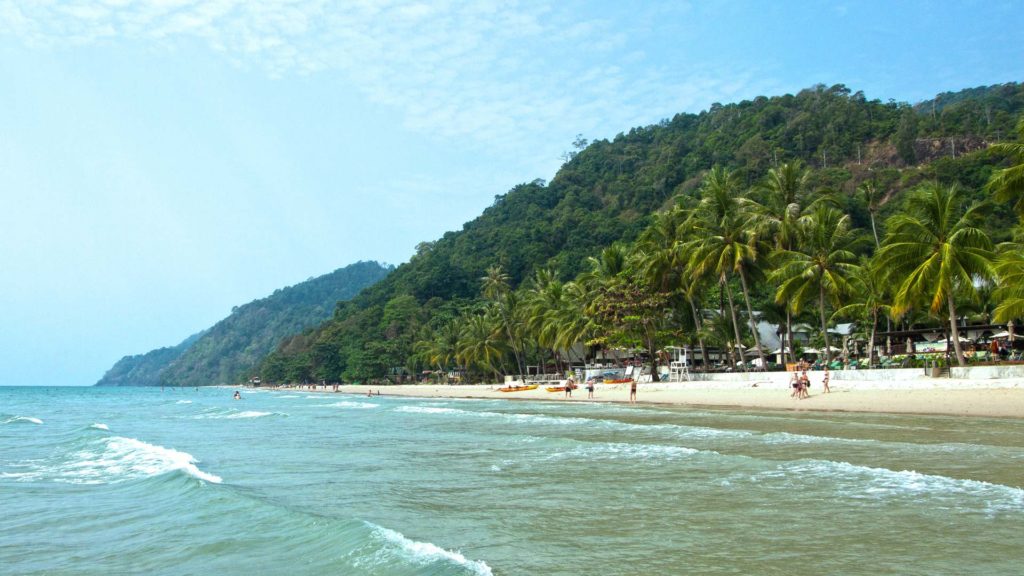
x=789, y=335
x=750, y=317
x=700, y=339
x=824, y=326
x=654, y=357
x=875, y=231
x=953, y=329
x=735, y=326
x=871, y=340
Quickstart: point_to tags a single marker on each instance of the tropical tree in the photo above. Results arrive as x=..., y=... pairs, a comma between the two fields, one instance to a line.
x=1008, y=184
x=1009, y=267
x=872, y=198
x=481, y=344
x=820, y=267
x=783, y=201
x=869, y=301
x=935, y=251
x=723, y=243
x=496, y=289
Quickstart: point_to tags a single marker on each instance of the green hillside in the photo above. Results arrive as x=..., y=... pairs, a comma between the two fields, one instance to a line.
x=145, y=369
x=232, y=348
x=608, y=190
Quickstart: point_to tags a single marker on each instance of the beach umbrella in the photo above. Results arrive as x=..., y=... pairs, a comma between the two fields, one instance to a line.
x=1000, y=335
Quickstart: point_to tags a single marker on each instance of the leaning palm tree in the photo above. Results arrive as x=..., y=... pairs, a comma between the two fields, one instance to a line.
x=821, y=267
x=724, y=244
x=1008, y=184
x=934, y=251
x=872, y=198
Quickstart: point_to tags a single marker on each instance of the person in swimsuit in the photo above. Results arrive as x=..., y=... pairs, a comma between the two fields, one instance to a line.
x=569, y=385
x=238, y=395
x=632, y=392
x=590, y=389
x=794, y=382
x=824, y=381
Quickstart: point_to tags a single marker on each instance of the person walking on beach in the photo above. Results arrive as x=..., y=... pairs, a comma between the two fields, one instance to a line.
x=632, y=392
x=569, y=385
x=824, y=381
x=794, y=382
x=805, y=384
x=590, y=389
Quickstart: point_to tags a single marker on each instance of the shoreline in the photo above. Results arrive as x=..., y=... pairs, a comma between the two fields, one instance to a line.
x=995, y=399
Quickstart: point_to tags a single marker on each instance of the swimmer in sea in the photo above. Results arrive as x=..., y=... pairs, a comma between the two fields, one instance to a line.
x=238, y=395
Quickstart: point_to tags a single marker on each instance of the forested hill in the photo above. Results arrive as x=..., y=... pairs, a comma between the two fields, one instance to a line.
x=145, y=369
x=607, y=191
x=232, y=348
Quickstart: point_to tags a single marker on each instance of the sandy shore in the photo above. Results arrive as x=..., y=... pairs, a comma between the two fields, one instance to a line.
x=1001, y=399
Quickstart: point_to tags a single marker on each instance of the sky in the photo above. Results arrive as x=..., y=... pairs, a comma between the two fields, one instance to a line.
x=164, y=160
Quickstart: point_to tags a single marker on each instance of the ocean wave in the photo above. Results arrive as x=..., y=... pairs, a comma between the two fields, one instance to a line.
x=674, y=430
x=111, y=460
x=859, y=481
x=426, y=553
x=431, y=410
x=347, y=404
x=23, y=420
x=99, y=426
x=619, y=450
x=183, y=402
x=248, y=414
x=235, y=415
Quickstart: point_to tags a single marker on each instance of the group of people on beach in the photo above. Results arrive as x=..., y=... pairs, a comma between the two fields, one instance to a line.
x=801, y=384
x=570, y=385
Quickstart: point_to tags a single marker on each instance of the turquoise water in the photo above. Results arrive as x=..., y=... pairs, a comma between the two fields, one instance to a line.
x=113, y=481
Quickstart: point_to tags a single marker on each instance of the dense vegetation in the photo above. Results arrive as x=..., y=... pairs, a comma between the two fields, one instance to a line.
x=635, y=239
x=145, y=369
x=230, y=350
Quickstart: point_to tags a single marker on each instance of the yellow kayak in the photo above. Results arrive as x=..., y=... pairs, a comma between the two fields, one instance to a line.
x=518, y=388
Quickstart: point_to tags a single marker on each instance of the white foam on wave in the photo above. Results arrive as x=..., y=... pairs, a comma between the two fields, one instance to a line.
x=675, y=430
x=623, y=451
x=790, y=438
x=183, y=402
x=426, y=553
x=115, y=459
x=248, y=414
x=430, y=410
x=28, y=419
x=871, y=482
x=100, y=426
x=290, y=396
x=347, y=404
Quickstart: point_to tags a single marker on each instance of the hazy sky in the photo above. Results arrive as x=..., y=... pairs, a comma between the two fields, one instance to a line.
x=164, y=160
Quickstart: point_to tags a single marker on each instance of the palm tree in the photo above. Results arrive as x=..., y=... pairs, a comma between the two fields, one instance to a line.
x=784, y=202
x=870, y=300
x=496, y=289
x=821, y=266
x=934, y=251
x=481, y=344
x=724, y=244
x=871, y=197
x=1009, y=267
x=663, y=260
x=1008, y=184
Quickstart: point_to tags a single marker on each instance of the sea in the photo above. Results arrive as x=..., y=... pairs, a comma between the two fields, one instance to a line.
x=191, y=481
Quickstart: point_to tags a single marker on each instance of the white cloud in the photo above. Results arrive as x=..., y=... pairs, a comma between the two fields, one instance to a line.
x=510, y=74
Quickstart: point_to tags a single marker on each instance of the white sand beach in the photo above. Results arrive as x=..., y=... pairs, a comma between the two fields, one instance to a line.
x=992, y=398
